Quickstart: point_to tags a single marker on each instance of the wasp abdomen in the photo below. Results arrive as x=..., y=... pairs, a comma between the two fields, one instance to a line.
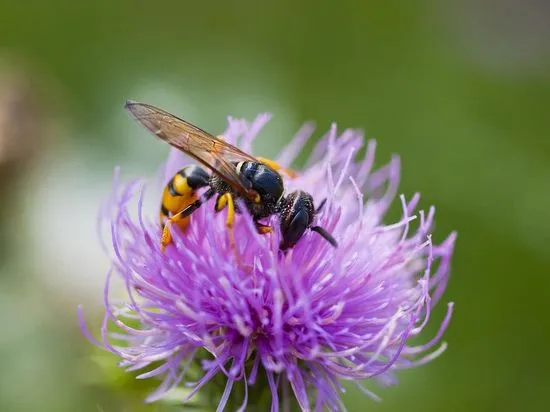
x=180, y=192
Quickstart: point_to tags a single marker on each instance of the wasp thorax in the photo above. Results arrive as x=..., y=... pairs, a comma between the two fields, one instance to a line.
x=267, y=182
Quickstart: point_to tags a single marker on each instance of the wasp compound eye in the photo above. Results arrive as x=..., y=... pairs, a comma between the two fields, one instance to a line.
x=295, y=228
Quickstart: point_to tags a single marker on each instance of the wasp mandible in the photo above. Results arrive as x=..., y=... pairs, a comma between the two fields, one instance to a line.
x=235, y=175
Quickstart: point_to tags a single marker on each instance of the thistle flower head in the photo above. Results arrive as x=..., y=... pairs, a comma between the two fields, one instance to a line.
x=302, y=320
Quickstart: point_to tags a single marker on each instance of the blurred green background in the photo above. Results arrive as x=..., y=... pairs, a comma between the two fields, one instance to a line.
x=461, y=90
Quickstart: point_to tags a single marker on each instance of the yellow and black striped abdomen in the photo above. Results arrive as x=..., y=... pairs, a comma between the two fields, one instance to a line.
x=180, y=192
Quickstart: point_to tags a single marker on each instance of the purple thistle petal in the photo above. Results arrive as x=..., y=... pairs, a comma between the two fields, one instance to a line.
x=246, y=140
x=274, y=391
x=225, y=395
x=305, y=319
x=292, y=150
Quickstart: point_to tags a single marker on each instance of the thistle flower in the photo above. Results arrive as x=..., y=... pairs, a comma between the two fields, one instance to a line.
x=302, y=321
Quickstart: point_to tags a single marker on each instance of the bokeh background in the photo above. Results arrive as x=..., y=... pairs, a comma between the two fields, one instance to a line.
x=461, y=90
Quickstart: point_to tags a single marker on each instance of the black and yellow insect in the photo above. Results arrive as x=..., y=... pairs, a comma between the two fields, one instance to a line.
x=180, y=192
x=235, y=174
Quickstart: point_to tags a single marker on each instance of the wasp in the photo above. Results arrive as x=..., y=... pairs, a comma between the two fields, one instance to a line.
x=234, y=175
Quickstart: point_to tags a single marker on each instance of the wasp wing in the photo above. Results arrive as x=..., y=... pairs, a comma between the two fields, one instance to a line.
x=211, y=151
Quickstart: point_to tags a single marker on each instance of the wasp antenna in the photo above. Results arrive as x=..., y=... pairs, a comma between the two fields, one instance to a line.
x=321, y=205
x=327, y=236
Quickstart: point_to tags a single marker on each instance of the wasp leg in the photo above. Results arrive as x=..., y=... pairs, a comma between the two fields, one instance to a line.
x=166, y=235
x=226, y=200
x=277, y=167
x=263, y=229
